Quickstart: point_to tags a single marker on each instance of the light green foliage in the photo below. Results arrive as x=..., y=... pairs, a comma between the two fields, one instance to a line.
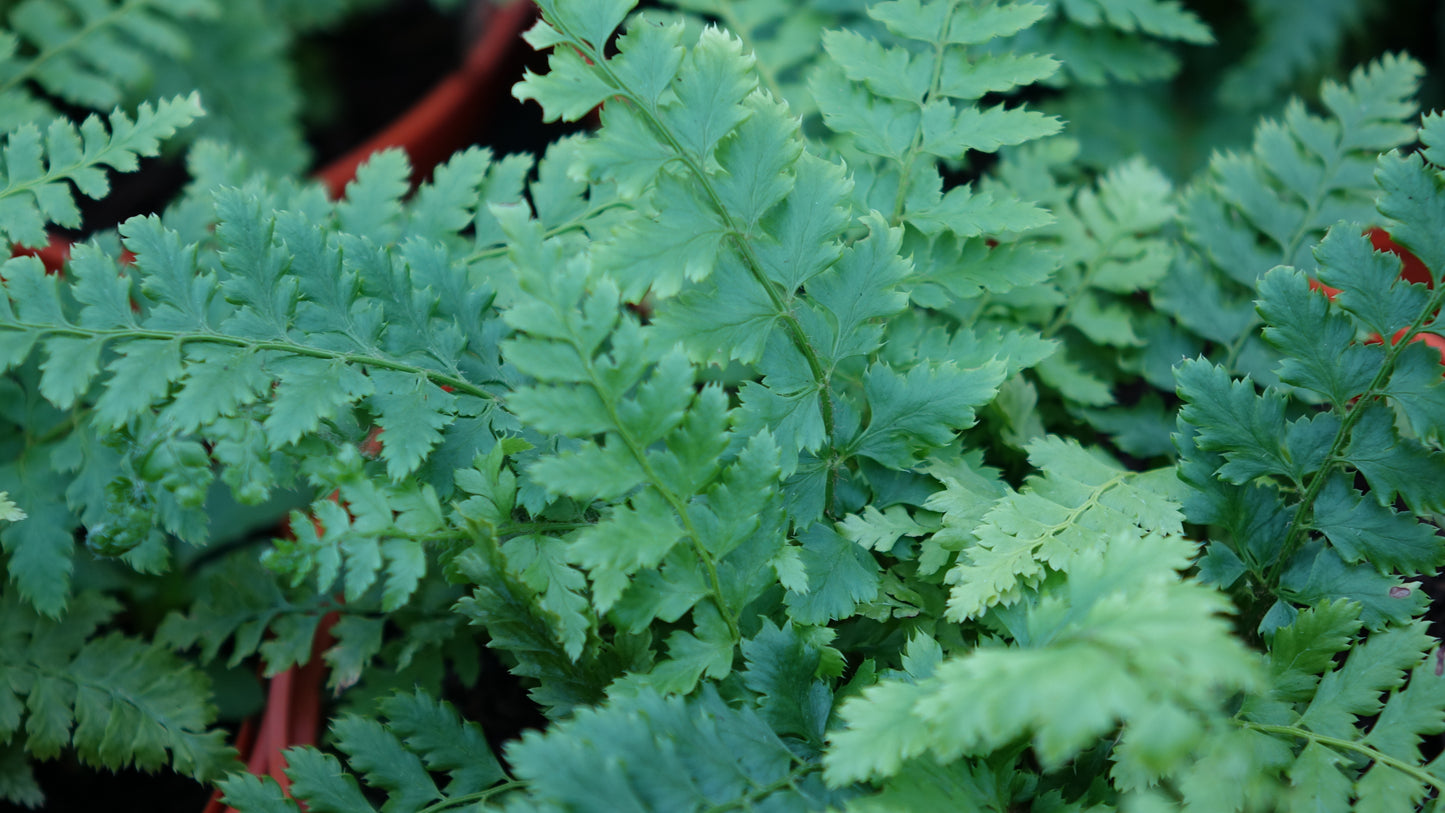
x=112, y=699
x=1049, y=526
x=1089, y=654
x=1251, y=211
x=39, y=169
x=394, y=755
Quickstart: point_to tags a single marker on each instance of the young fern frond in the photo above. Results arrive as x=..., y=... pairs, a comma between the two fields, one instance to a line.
x=38, y=170
x=1027, y=536
x=86, y=52
x=1111, y=624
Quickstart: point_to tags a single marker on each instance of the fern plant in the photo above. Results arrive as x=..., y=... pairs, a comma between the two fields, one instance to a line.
x=802, y=438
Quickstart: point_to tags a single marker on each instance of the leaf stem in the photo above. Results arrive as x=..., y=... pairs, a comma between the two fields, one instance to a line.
x=659, y=484
x=1298, y=523
x=1414, y=772
x=917, y=141
x=791, y=323
x=439, y=378
x=479, y=796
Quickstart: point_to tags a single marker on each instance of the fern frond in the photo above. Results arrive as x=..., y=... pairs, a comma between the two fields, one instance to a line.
x=914, y=101
x=1344, y=714
x=1049, y=526
x=1121, y=628
x=1323, y=537
x=113, y=699
x=397, y=754
x=86, y=52
x=265, y=356
x=1250, y=212
x=648, y=752
x=727, y=218
x=39, y=169
x=1292, y=41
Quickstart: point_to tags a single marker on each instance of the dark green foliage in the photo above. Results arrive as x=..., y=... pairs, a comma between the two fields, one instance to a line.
x=114, y=700
x=825, y=430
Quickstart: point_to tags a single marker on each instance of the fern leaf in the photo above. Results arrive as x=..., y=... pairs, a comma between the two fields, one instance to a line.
x=1046, y=528
x=1315, y=456
x=976, y=703
x=38, y=170
x=115, y=700
x=87, y=53
x=673, y=753
x=1250, y=212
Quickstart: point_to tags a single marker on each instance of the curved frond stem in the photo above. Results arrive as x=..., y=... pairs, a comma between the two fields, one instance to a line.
x=1414, y=772
x=659, y=484
x=458, y=384
x=916, y=144
x=1299, y=522
x=791, y=323
x=481, y=796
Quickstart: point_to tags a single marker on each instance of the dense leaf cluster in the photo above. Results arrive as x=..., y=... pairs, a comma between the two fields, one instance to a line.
x=822, y=431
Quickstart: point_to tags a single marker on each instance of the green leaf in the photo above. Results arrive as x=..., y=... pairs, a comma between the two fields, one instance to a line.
x=634, y=536
x=1394, y=465
x=381, y=758
x=71, y=362
x=1323, y=356
x=412, y=412
x=218, y=381
x=33, y=190
x=1376, y=665
x=1364, y=530
x=840, y=575
x=318, y=778
x=782, y=668
x=309, y=391
x=445, y=742
x=139, y=378
x=715, y=78
x=921, y=410
x=1233, y=419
